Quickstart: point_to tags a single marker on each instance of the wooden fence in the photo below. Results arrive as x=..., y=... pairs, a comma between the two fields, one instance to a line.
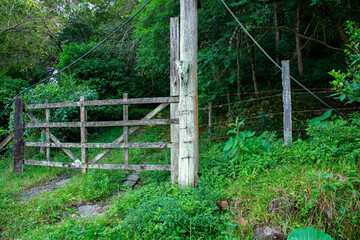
x=84, y=163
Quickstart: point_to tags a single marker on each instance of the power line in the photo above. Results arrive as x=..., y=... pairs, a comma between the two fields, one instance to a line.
x=77, y=60
x=277, y=65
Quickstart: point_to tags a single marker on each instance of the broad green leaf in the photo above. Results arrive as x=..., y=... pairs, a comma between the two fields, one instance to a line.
x=308, y=234
x=317, y=120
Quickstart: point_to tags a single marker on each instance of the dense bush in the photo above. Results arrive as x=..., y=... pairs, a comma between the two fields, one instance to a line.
x=168, y=212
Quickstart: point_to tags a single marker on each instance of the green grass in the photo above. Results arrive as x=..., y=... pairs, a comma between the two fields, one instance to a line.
x=317, y=180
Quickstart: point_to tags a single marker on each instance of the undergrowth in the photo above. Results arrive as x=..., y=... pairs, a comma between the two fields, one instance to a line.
x=248, y=182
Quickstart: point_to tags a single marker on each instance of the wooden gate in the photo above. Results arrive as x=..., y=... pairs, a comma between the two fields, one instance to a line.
x=84, y=163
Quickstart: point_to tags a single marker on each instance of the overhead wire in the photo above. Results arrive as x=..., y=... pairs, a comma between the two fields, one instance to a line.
x=77, y=60
x=277, y=65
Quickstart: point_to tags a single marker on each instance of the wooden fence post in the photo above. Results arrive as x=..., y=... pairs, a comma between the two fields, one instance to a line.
x=287, y=102
x=18, y=136
x=126, y=130
x=188, y=105
x=47, y=132
x=83, y=132
x=174, y=91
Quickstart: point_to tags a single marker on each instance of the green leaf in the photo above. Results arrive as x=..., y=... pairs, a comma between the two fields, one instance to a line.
x=228, y=144
x=308, y=234
x=342, y=97
x=317, y=120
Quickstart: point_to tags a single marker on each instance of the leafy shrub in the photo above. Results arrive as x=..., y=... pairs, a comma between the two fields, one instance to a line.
x=100, y=184
x=347, y=84
x=169, y=212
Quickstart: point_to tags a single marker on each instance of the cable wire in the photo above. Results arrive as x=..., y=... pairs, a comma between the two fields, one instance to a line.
x=277, y=65
x=77, y=60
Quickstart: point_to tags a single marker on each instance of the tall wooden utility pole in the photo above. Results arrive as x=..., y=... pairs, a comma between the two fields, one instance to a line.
x=188, y=105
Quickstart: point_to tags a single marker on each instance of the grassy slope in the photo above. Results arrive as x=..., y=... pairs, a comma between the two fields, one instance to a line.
x=319, y=188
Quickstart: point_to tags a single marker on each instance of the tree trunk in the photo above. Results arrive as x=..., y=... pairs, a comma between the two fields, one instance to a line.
x=253, y=67
x=238, y=82
x=299, y=42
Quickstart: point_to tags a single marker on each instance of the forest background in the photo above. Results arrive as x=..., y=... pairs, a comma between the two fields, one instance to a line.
x=38, y=38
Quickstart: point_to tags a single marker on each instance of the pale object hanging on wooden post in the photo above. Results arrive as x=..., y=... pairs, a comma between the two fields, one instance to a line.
x=188, y=105
x=287, y=102
x=174, y=91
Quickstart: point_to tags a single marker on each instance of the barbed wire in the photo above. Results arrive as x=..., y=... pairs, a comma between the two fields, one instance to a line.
x=276, y=113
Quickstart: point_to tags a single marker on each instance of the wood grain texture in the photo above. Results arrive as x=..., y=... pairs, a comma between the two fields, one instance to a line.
x=100, y=166
x=83, y=132
x=287, y=102
x=103, y=124
x=101, y=145
x=47, y=131
x=6, y=140
x=126, y=129
x=174, y=91
x=188, y=104
x=106, y=102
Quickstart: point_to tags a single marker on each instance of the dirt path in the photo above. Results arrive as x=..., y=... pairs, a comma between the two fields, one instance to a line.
x=47, y=187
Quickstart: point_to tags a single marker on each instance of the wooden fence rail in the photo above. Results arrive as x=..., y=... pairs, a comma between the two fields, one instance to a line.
x=129, y=101
x=83, y=163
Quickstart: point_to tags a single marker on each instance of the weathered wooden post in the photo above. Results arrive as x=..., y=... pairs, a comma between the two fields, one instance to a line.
x=188, y=106
x=174, y=91
x=83, y=132
x=47, y=132
x=126, y=131
x=18, y=148
x=287, y=102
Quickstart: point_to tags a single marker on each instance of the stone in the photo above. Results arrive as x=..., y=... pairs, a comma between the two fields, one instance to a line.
x=90, y=211
x=267, y=233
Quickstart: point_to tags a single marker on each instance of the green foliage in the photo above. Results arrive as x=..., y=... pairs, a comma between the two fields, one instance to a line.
x=109, y=69
x=322, y=120
x=9, y=87
x=244, y=142
x=100, y=184
x=347, y=84
x=169, y=212
x=308, y=234
x=64, y=89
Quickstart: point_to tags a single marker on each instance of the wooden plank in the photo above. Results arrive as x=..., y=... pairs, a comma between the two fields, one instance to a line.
x=52, y=125
x=173, y=99
x=18, y=136
x=6, y=140
x=287, y=102
x=52, y=164
x=54, y=139
x=174, y=91
x=188, y=107
x=47, y=131
x=101, y=145
x=126, y=129
x=150, y=115
x=83, y=132
x=132, y=123
x=104, y=124
x=100, y=166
